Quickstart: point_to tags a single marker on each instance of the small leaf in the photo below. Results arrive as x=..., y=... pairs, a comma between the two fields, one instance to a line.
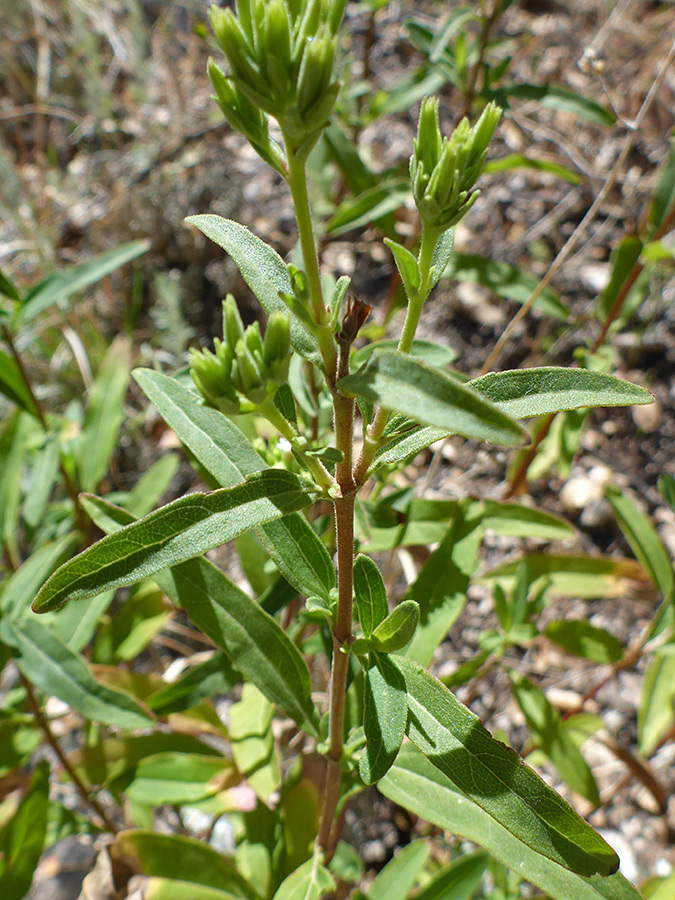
x=396, y=879
x=8, y=289
x=450, y=25
x=440, y=588
x=417, y=785
x=518, y=161
x=56, y=670
x=263, y=270
x=623, y=259
x=175, y=533
x=397, y=629
x=656, y=713
x=430, y=396
x=370, y=593
x=310, y=881
x=103, y=416
x=67, y=282
x=496, y=779
x=441, y=255
x=181, y=858
x=223, y=450
x=555, y=97
x=536, y=392
x=24, y=836
x=583, y=639
x=403, y=446
x=406, y=263
x=505, y=280
x=664, y=193
x=384, y=716
x=553, y=739
x=459, y=880
x=644, y=542
x=433, y=354
x=369, y=206
x=13, y=386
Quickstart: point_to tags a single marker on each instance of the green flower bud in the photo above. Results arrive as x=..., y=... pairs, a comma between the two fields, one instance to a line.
x=212, y=381
x=250, y=380
x=443, y=172
x=299, y=283
x=233, y=327
x=234, y=45
x=316, y=70
x=397, y=629
x=277, y=347
x=254, y=344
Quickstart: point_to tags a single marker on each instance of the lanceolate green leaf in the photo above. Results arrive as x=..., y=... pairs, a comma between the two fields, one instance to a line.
x=48, y=663
x=251, y=638
x=536, y=392
x=224, y=451
x=177, y=532
x=459, y=880
x=384, y=716
x=644, y=541
x=430, y=396
x=67, y=282
x=13, y=386
x=370, y=593
x=309, y=882
x=103, y=416
x=554, y=96
x=396, y=880
x=656, y=713
x=417, y=785
x=263, y=270
x=175, y=777
x=551, y=736
x=407, y=444
x=494, y=777
x=441, y=586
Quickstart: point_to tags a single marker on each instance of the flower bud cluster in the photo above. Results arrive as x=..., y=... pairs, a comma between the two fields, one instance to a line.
x=443, y=170
x=245, y=369
x=281, y=55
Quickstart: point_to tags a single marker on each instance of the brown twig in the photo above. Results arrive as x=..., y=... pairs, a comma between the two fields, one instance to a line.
x=85, y=794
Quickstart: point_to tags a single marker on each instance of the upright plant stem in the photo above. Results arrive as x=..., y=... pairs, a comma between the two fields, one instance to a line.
x=297, y=182
x=343, y=410
x=412, y=317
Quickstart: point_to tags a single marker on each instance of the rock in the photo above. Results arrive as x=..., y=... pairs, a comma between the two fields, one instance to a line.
x=647, y=417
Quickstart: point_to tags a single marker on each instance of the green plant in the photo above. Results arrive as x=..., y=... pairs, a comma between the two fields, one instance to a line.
x=301, y=380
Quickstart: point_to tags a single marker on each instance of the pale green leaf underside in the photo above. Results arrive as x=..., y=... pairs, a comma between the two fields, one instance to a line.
x=536, y=392
x=414, y=783
x=177, y=532
x=226, y=453
x=263, y=270
x=430, y=396
x=495, y=777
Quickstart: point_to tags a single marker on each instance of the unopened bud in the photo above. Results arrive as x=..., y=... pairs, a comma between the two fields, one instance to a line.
x=233, y=327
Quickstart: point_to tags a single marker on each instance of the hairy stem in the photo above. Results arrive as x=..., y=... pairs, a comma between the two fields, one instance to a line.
x=416, y=301
x=297, y=183
x=343, y=411
x=84, y=793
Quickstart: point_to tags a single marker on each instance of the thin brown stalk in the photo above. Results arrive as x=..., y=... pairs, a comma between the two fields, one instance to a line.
x=82, y=790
